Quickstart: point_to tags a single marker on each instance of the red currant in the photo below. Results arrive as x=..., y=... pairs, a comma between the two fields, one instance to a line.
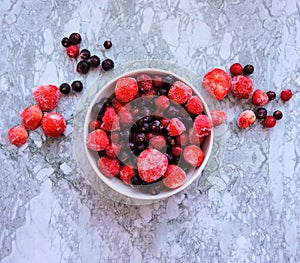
x=236, y=69
x=269, y=122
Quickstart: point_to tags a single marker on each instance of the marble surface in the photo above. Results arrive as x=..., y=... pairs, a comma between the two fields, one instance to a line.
x=250, y=213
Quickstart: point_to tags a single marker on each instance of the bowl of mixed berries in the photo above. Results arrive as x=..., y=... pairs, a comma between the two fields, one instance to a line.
x=148, y=134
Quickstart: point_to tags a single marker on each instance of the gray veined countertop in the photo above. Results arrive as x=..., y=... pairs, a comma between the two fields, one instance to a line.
x=251, y=212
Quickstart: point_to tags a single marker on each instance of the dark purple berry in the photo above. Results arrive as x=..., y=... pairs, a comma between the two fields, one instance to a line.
x=277, y=115
x=271, y=95
x=169, y=79
x=248, y=69
x=107, y=64
x=107, y=44
x=140, y=138
x=75, y=38
x=261, y=113
x=83, y=67
x=94, y=61
x=145, y=126
x=136, y=180
x=65, y=88
x=162, y=91
x=170, y=141
x=155, y=126
x=84, y=54
x=77, y=86
x=65, y=42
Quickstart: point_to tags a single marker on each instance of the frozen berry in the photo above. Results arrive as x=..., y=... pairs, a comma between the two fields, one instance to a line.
x=107, y=64
x=110, y=167
x=180, y=92
x=162, y=102
x=97, y=140
x=277, y=115
x=75, y=38
x=157, y=81
x=236, y=69
x=158, y=142
x=18, y=135
x=31, y=117
x=176, y=127
x=286, y=95
x=271, y=95
x=140, y=138
x=73, y=51
x=152, y=165
x=259, y=98
x=107, y=44
x=84, y=54
x=65, y=88
x=53, y=124
x=65, y=42
x=83, y=67
x=126, y=118
x=248, y=69
x=269, y=122
x=194, y=105
x=218, y=117
x=155, y=126
x=193, y=155
x=94, y=61
x=77, y=86
x=174, y=177
x=246, y=119
x=162, y=91
x=113, y=150
x=176, y=150
x=94, y=125
x=194, y=137
x=126, y=174
x=183, y=139
x=241, y=87
x=261, y=113
x=217, y=83
x=169, y=79
x=46, y=96
x=202, y=125
x=110, y=120
x=144, y=82
x=126, y=89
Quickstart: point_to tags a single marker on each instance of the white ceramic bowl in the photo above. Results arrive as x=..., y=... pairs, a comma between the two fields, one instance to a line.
x=116, y=183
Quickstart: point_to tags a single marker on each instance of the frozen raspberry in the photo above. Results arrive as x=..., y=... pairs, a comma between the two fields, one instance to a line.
x=53, y=124
x=126, y=89
x=110, y=120
x=126, y=173
x=73, y=51
x=259, y=98
x=269, y=122
x=158, y=81
x=97, y=140
x=202, y=125
x=194, y=137
x=241, y=87
x=193, y=155
x=218, y=117
x=246, y=119
x=158, y=142
x=31, y=117
x=94, y=125
x=113, y=150
x=118, y=105
x=152, y=165
x=194, y=105
x=183, y=139
x=217, y=83
x=17, y=135
x=236, y=69
x=176, y=150
x=180, y=92
x=110, y=167
x=126, y=118
x=162, y=102
x=286, y=95
x=174, y=177
x=164, y=122
x=46, y=96
x=144, y=82
x=176, y=127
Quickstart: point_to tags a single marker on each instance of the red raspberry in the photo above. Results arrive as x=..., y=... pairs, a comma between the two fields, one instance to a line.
x=118, y=106
x=241, y=87
x=144, y=82
x=158, y=142
x=152, y=165
x=126, y=118
x=53, y=124
x=246, y=119
x=47, y=96
x=176, y=127
x=73, y=51
x=165, y=122
x=218, y=117
x=217, y=83
x=269, y=122
x=174, y=177
x=157, y=81
x=193, y=155
x=183, y=139
x=236, y=69
x=97, y=140
x=259, y=98
x=110, y=167
x=17, y=135
x=202, y=125
x=176, y=150
x=194, y=137
x=126, y=89
x=113, y=150
x=162, y=102
x=94, y=125
x=110, y=120
x=31, y=117
x=194, y=105
x=180, y=92
x=126, y=173
x=286, y=95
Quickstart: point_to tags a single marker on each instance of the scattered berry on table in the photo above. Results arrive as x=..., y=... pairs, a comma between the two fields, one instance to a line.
x=65, y=42
x=236, y=69
x=203, y=125
x=261, y=113
x=194, y=105
x=246, y=119
x=46, y=96
x=176, y=127
x=180, y=92
x=259, y=98
x=271, y=94
x=126, y=89
x=31, y=117
x=18, y=135
x=110, y=167
x=286, y=94
x=94, y=61
x=241, y=87
x=53, y=124
x=269, y=122
x=94, y=125
x=97, y=140
x=85, y=54
x=193, y=155
x=248, y=69
x=277, y=115
x=174, y=177
x=107, y=44
x=73, y=51
x=65, y=88
x=218, y=117
x=83, y=67
x=75, y=38
x=144, y=82
x=107, y=64
x=77, y=86
x=126, y=174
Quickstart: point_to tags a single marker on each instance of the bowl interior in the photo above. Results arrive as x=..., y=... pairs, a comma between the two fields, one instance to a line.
x=116, y=183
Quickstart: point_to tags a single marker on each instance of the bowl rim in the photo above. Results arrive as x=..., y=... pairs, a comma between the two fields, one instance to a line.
x=107, y=180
